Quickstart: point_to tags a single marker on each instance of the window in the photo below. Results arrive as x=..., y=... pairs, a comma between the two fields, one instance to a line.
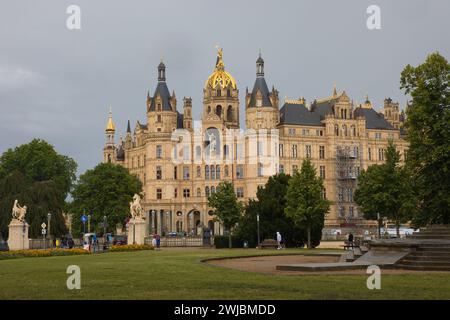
x=260, y=169
x=206, y=172
x=321, y=152
x=336, y=130
x=158, y=119
x=381, y=154
x=158, y=173
x=212, y=170
x=239, y=192
x=239, y=171
x=291, y=131
x=259, y=148
x=158, y=152
x=377, y=135
x=186, y=193
x=350, y=212
x=370, y=153
x=199, y=192
x=226, y=171
x=322, y=172
x=344, y=129
x=294, y=168
x=218, y=172
x=281, y=168
x=294, y=151
x=319, y=133
x=219, y=93
x=185, y=173
x=175, y=173
x=219, y=111
x=199, y=172
x=308, y=151
x=341, y=194
x=207, y=191
x=280, y=150
x=305, y=132
x=175, y=193
x=324, y=194
x=228, y=93
x=226, y=151
x=353, y=131
x=159, y=194
x=350, y=195
x=213, y=190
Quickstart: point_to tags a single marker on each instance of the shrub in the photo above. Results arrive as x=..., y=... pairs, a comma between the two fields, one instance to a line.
x=130, y=247
x=221, y=242
x=40, y=253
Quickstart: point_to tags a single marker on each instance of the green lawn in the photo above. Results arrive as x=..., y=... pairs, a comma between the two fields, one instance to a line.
x=179, y=274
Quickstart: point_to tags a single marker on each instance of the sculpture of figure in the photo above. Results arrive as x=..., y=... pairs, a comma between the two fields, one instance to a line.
x=136, y=210
x=19, y=212
x=212, y=144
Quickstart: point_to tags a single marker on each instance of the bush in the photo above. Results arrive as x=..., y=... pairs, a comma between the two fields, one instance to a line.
x=40, y=253
x=221, y=242
x=130, y=247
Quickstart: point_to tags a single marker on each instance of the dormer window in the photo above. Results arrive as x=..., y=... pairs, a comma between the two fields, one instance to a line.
x=159, y=107
x=259, y=102
x=228, y=93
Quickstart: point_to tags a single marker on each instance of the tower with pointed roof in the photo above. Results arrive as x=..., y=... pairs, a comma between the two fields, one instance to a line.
x=261, y=105
x=162, y=113
x=109, y=150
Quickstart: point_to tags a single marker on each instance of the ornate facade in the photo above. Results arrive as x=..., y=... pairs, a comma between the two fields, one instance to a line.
x=181, y=162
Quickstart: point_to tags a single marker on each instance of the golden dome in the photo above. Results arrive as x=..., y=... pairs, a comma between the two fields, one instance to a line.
x=110, y=127
x=220, y=78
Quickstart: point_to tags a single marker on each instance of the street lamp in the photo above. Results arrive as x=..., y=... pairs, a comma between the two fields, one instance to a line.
x=257, y=221
x=49, y=217
x=104, y=225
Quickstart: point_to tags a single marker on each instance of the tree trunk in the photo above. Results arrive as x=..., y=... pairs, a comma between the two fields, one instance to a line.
x=229, y=240
x=309, y=237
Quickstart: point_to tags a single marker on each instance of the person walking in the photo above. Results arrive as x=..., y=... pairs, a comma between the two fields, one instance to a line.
x=154, y=241
x=158, y=241
x=279, y=239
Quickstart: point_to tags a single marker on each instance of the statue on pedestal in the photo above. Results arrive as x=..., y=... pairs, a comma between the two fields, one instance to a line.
x=136, y=210
x=19, y=212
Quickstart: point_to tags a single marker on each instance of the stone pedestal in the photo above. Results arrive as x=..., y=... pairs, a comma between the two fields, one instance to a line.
x=18, y=235
x=136, y=231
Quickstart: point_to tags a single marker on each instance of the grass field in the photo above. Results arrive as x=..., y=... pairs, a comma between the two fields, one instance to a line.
x=179, y=274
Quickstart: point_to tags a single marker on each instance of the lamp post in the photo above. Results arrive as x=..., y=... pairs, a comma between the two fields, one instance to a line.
x=104, y=225
x=379, y=225
x=257, y=221
x=49, y=217
x=89, y=223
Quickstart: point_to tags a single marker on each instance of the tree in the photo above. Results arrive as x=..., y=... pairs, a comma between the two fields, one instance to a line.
x=386, y=190
x=225, y=206
x=40, y=178
x=428, y=129
x=39, y=161
x=107, y=191
x=305, y=204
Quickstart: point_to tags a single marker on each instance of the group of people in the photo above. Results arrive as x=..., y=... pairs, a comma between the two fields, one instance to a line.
x=156, y=241
x=65, y=242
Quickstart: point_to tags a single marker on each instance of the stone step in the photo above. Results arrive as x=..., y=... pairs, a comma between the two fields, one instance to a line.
x=406, y=261
x=422, y=268
x=431, y=253
x=434, y=246
x=428, y=258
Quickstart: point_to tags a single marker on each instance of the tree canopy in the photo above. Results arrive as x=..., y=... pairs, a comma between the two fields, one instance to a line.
x=225, y=206
x=107, y=191
x=38, y=177
x=386, y=190
x=428, y=128
x=305, y=204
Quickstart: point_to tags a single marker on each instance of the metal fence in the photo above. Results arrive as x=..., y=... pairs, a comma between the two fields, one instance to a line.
x=195, y=241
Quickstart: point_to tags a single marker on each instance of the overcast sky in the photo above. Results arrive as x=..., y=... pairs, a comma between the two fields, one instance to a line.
x=57, y=83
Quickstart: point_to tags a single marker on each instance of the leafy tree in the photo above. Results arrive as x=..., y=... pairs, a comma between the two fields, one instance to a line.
x=226, y=206
x=40, y=178
x=428, y=128
x=107, y=191
x=39, y=161
x=386, y=190
x=304, y=201
x=270, y=205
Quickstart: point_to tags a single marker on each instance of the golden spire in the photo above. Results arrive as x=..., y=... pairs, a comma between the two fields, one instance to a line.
x=220, y=78
x=110, y=127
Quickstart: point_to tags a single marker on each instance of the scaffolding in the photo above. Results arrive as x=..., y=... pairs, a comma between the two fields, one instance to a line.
x=348, y=166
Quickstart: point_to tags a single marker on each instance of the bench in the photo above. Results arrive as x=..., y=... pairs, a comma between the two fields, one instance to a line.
x=269, y=244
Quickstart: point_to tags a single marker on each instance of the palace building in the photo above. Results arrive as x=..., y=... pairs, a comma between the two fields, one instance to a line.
x=181, y=162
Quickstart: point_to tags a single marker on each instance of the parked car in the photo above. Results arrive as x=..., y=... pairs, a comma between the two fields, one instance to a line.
x=120, y=240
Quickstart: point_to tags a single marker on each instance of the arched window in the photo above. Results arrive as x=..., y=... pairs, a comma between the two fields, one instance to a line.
x=199, y=192
x=199, y=172
x=213, y=172
x=230, y=113
x=353, y=128
x=206, y=172
x=207, y=191
x=228, y=93
x=219, y=110
x=344, y=129
x=218, y=172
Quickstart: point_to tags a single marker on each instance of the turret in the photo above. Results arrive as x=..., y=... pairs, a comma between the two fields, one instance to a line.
x=110, y=149
x=187, y=113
